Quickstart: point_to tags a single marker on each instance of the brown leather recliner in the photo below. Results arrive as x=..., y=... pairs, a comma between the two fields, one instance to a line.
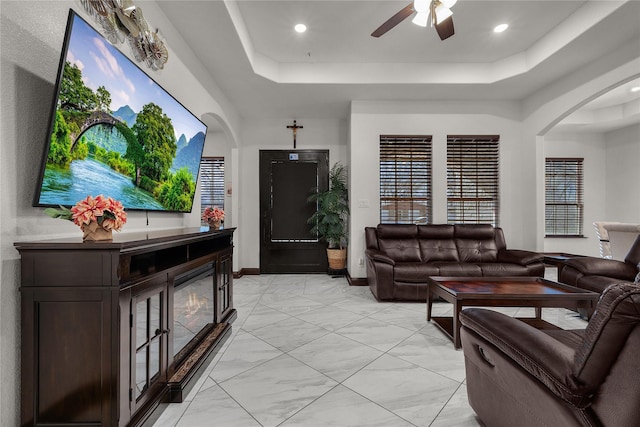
x=595, y=274
x=521, y=376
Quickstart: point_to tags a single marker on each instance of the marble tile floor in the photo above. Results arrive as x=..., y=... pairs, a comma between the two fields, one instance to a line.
x=310, y=350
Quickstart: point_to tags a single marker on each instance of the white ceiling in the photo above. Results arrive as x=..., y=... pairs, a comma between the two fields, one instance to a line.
x=268, y=70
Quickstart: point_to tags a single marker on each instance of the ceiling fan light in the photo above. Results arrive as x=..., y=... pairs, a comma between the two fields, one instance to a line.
x=421, y=19
x=442, y=13
x=448, y=3
x=421, y=6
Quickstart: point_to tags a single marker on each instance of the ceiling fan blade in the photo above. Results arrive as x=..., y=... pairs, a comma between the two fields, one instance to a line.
x=394, y=20
x=445, y=28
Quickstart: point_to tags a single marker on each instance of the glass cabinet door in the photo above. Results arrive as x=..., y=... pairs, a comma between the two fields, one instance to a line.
x=224, y=285
x=149, y=336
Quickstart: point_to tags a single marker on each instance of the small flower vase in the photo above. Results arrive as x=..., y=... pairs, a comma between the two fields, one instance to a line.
x=93, y=232
x=214, y=224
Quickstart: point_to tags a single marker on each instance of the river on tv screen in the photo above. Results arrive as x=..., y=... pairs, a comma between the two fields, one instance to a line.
x=116, y=132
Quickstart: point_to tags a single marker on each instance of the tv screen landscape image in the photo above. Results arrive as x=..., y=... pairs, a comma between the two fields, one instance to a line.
x=115, y=131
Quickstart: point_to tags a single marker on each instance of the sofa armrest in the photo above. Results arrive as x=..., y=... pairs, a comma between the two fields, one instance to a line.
x=377, y=255
x=603, y=267
x=547, y=359
x=520, y=257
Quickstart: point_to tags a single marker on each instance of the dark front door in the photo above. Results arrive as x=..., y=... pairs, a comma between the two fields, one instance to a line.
x=287, y=179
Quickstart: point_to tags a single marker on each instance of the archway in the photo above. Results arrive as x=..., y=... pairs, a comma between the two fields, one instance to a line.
x=601, y=131
x=542, y=113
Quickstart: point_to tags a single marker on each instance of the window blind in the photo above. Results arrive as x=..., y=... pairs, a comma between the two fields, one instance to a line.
x=405, y=179
x=564, y=206
x=211, y=183
x=472, y=179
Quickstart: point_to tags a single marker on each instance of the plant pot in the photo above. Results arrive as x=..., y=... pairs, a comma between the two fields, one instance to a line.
x=93, y=232
x=337, y=258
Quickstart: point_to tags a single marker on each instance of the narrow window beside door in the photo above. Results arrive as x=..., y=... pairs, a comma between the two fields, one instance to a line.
x=211, y=183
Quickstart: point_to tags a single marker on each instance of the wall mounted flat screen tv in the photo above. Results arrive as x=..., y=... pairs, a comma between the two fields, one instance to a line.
x=115, y=131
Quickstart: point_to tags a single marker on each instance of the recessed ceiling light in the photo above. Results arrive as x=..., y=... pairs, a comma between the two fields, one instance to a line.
x=635, y=89
x=301, y=28
x=500, y=28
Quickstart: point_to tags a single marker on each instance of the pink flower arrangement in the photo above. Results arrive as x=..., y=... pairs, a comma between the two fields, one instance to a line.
x=105, y=211
x=213, y=214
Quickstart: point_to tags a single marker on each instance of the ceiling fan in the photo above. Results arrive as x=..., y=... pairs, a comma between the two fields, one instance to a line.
x=438, y=12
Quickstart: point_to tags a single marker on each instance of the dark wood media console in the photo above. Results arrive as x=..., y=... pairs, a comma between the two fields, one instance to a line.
x=112, y=329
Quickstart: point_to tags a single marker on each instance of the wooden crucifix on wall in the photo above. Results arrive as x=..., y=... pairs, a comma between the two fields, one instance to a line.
x=294, y=128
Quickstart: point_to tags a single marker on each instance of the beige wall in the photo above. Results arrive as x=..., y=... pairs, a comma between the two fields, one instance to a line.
x=622, y=193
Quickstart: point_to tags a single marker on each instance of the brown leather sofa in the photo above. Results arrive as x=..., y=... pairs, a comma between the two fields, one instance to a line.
x=595, y=274
x=521, y=376
x=399, y=257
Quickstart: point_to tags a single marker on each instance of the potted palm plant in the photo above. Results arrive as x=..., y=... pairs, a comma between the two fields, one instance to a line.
x=330, y=219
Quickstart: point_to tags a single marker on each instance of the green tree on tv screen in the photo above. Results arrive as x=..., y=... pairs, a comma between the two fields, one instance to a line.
x=157, y=140
x=175, y=193
x=60, y=148
x=74, y=95
x=103, y=99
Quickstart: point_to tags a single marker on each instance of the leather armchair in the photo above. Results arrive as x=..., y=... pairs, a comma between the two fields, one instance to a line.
x=519, y=375
x=595, y=274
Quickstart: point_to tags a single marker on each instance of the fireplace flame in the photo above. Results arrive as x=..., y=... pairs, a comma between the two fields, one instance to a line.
x=195, y=303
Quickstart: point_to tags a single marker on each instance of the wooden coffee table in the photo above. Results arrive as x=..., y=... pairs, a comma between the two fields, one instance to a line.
x=503, y=292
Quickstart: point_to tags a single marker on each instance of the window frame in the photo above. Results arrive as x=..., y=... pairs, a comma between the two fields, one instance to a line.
x=214, y=165
x=569, y=221
x=473, y=160
x=416, y=198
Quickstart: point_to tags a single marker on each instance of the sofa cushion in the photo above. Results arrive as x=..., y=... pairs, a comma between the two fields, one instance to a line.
x=436, y=231
x=397, y=231
x=474, y=231
x=474, y=250
x=399, y=241
x=457, y=269
x=401, y=250
x=414, y=272
x=501, y=269
x=436, y=243
x=438, y=250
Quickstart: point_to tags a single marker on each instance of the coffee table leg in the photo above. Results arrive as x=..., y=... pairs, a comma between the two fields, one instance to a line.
x=538, y=312
x=457, y=308
x=429, y=302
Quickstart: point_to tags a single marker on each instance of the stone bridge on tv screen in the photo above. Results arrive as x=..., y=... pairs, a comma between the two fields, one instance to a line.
x=95, y=118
